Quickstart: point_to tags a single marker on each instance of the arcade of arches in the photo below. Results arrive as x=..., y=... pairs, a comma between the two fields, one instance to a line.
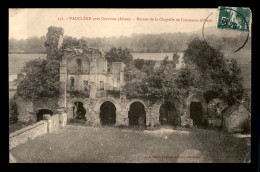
x=114, y=111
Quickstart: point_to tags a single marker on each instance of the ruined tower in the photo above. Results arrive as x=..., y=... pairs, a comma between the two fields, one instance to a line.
x=54, y=42
x=53, y=46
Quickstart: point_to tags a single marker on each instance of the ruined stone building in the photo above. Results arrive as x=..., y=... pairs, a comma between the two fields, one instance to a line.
x=91, y=92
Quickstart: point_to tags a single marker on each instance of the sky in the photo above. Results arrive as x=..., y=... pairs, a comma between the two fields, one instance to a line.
x=25, y=23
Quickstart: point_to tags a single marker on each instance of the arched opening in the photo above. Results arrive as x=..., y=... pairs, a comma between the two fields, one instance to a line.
x=79, y=112
x=107, y=113
x=71, y=83
x=42, y=112
x=79, y=63
x=168, y=114
x=196, y=113
x=137, y=115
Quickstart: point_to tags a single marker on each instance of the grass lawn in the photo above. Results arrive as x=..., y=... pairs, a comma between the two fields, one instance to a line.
x=83, y=144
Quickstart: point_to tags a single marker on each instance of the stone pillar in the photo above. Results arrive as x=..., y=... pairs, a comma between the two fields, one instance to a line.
x=93, y=78
x=121, y=80
x=93, y=90
x=96, y=120
x=148, y=116
x=63, y=117
x=47, y=117
x=155, y=113
x=63, y=84
x=122, y=118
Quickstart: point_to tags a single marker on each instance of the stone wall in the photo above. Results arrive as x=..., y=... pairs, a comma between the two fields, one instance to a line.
x=30, y=132
x=49, y=125
x=27, y=110
x=47, y=103
x=236, y=121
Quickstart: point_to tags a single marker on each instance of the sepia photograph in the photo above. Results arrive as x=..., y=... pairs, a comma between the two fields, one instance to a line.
x=104, y=85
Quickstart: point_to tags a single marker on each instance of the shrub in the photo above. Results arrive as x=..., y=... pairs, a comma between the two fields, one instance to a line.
x=13, y=111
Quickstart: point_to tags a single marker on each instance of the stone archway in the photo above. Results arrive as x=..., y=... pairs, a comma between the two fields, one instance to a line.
x=196, y=113
x=196, y=108
x=79, y=112
x=97, y=110
x=107, y=113
x=146, y=111
x=137, y=114
x=168, y=114
x=72, y=107
x=42, y=112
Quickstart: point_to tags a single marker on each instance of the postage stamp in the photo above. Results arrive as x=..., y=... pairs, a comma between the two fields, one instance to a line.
x=234, y=18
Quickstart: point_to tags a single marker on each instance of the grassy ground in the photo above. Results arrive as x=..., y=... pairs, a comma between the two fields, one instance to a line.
x=107, y=144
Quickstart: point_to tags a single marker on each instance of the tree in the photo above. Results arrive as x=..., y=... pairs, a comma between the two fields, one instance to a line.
x=69, y=41
x=13, y=110
x=133, y=82
x=119, y=55
x=160, y=84
x=139, y=63
x=205, y=71
x=218, y=79
x=41, y=80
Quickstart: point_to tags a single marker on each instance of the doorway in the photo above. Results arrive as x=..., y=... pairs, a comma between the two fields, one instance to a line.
x=79, y=112
x=196, y=113
x=137, y=115
x=168, y=114
x=107, y=113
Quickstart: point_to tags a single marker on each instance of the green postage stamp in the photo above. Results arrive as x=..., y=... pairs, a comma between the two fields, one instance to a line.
x=234, y=18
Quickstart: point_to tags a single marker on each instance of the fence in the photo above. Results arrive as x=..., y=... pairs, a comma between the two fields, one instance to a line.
x=48, y=125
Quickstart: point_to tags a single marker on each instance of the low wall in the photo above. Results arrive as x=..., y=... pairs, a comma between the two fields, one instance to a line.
x=30, y=132
x=48, y=125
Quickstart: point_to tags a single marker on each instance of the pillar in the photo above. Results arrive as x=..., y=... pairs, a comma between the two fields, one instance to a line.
x=63, y=117
x=47, y=117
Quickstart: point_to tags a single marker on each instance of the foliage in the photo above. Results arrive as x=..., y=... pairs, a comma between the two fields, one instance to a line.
x=145, y=66
x=32, y=45
x=69, y=41
x=133, y=82
x=13, y=110
x=139, y=63
x=139, y=43
x=119, y=55
x=217, y=78
x=41, y=79
x=206, y=72
x=160, y=84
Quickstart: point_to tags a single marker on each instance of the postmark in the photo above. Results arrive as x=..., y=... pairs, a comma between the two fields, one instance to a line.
x=234, y=18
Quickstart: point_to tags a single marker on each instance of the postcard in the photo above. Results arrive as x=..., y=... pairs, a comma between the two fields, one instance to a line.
x=143, y=85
